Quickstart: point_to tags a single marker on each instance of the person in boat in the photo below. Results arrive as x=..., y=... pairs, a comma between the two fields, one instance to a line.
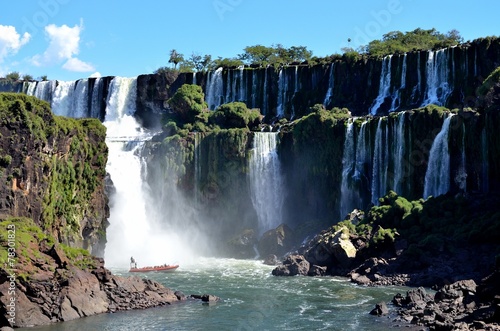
x=133, y=264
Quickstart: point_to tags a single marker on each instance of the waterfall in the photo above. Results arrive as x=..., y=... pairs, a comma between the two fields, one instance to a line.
x=197, y=168
x=62, y=100
x=396, y=98
x=31, y=88
x=265, y=107
x=399, y=152
x=385, y=85
x=437, y=75
x=254, y=88
x=80, y=99
x=97, y=95
x=363, y=156
x=485, y=157
x=296, y=89
x=194, y=78
x=437, y=176
x=331, y=84
x=461, y=176
x=417, y=88
x=242, y=91
x=348, y=196
x=42, y=90
x=214, y=89
x=266, y=183
x=380, y=161
x=282, y=92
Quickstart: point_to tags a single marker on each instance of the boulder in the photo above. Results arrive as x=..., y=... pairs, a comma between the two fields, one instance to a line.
x=331, y=249
x=292, y=265
x=380, y=309
x=278, y=241
x=317, y=270
x=271, y=260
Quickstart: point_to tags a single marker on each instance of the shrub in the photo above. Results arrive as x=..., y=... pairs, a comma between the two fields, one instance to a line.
x=187, y=102
x=235, y=115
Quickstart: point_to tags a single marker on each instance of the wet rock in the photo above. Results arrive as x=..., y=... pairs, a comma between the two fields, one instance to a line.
x=277, y=242
x=271, y=260
x=317, y=270
x=292, y=265
x=380, y=309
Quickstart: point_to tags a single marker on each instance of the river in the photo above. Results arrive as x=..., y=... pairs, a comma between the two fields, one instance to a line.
x=252, y=299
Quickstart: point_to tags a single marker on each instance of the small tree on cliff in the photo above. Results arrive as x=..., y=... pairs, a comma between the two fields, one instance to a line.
x=187, y=102
x=175, y=58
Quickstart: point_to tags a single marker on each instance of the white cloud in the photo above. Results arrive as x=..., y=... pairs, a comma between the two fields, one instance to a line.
x=95, y=75
x=11, y=41
x=64, y=45
x=74, y=64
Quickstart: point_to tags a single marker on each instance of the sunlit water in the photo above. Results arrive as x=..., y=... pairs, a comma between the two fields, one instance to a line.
x=252, y=299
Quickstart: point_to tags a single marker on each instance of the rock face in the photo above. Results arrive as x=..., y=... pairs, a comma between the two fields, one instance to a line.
x=276, y=242
x=54, y=168
x=292, y=266
x=72, y=293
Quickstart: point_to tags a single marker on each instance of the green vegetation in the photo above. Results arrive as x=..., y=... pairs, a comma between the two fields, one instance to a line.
x=235, y=115
x=489, y=82
x=440, y=223
x=31, y=246
x=418, y=39
x=70, y=173
x=187, y=103
x=276, y=55
x=13, y=76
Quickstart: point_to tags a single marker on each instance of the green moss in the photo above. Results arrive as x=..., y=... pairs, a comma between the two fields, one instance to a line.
x=489, y=82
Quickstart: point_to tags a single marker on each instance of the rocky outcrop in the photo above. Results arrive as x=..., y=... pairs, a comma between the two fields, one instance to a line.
x=278, y=241
x=54, y=168
x=68, y=294
x=293, y=265
x=453, y=307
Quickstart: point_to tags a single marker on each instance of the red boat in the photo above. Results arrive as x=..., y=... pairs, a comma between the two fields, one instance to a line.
x=159, y=268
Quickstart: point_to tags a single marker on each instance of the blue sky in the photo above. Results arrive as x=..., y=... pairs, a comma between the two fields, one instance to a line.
x=72, y=39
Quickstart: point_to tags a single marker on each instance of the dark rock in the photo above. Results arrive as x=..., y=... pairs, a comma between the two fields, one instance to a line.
x=380, y=309
x=292, y=265
x=317, y=270
x=180, y=295
x=242, y=246
x=276, y=242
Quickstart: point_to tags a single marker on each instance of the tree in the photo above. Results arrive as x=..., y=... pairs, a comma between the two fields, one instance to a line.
x=43, y=78
x=235, y=115
x=187, y=102
x=13, y=76
x=27, y=78
x=175, y=57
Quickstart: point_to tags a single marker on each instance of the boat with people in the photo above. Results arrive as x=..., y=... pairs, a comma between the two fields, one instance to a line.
x=160, y=268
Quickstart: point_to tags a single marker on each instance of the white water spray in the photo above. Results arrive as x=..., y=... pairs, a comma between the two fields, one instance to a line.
x=437, y=176
x=347, y=198
x=266, y=182
x=385, y=85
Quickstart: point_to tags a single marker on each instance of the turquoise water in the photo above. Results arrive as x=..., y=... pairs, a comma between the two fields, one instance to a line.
x=252, y=299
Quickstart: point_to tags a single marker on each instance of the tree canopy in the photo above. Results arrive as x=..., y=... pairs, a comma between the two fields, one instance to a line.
x=418, y=39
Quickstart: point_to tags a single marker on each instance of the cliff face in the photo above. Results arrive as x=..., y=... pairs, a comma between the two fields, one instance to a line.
x=54, y=170
x=447, y=77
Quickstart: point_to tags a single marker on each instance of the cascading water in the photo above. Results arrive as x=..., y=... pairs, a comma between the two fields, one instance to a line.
x=62, y=99
x=132, y=231
x=265, y=106
x=437, y=176
x=385, y=85
x=380, y=161
x=485, y=158
x=254, y=88
x=331, y=84
x=266, y=182
x=399, y=152
x=415, y=94
x=80, y=99
x=242, y=90
x=461, y=175
x=295, y=89
x=437, y=78
x=95, y=106
x=396, y=97
x=282, y=93
x=214, y=89
x=42, y=90
x=348, y=194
